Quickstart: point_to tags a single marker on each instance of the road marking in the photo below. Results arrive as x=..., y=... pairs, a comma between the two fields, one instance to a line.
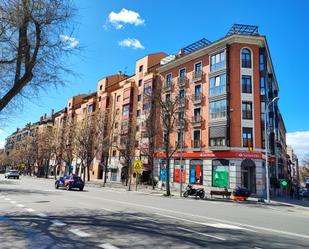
x=7, y=199
x=108, y=246
x=13, y=202
x=30, y=210
x=57, y=223
x=20, y=205
x=204, y=234
x=79, y=233
x=224, y=226
x=42, y=215
x=263, y=229
x=108, y=210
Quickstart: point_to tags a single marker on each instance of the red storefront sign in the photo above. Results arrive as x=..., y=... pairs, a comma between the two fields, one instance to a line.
x=216, y=154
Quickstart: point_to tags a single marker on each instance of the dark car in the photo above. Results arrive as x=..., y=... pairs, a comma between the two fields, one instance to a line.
x=70, y=182
x=303, y=192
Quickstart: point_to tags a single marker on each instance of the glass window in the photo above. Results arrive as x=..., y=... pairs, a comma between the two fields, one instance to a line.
x=217, y=85
x=197, y=112
x=246, y=58
x=217, y=109
x=182, y=94
x=196, y=172
x=246, y=84
x=262, y=85
x=247, y=137
x=167, y=98
x=125, y=110
x=168, y=79
x=218, y=141
x=140, y=82
x=220, y=173
x=91, y=108
x=147, y=89
x=177, y=173
x=146, y=106
x=262, y=64
x=217, y=61
x=198, y=67
x=198, y=90
x=139, y=97
x=182, y=73
x=138, y=113
x=247, y=110
x=141, y=68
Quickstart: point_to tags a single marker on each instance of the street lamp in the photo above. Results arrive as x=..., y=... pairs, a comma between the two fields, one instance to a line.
x=266, y=147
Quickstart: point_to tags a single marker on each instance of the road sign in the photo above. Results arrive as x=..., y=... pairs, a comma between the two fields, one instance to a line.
x=138, y=166
x=284, y=183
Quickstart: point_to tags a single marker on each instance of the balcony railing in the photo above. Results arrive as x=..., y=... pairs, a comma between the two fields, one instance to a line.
x=180, y=123
x=197, y=75
x=196, y=120
x=167, y=85
x=182, y=81
x=197, y=98
x=196, y=143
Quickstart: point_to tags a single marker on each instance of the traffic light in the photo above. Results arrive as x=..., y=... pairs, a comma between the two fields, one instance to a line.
x=284, y=183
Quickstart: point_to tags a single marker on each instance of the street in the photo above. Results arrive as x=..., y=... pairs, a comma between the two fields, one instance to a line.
x=33, y=214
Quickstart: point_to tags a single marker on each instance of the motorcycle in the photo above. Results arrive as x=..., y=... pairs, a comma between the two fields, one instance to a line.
x=191, y=191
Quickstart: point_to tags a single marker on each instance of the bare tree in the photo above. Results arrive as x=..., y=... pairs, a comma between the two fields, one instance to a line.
x=304, y=170
x=34, y=45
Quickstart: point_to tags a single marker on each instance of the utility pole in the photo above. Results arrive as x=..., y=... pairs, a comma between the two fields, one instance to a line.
x=266, y=148
x=181, y=148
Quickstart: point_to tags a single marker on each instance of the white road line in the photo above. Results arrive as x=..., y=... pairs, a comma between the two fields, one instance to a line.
x=204, y=234
x=57, y=223
x=79, y=233
x=108, y=246
x=224, y=226
x=20, y=205
x=7, y=199
x=108, y=210
x=29, y=210
x=42, y=215
x=263, y=229
x=13, y=202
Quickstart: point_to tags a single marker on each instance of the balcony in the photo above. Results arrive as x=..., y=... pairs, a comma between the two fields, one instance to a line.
x=196, y=144
x=196, y=120
x=197, y=76
x=197, y=99
x=167, y=86
x=180, y=123
x=182, y=81
x=181, y=102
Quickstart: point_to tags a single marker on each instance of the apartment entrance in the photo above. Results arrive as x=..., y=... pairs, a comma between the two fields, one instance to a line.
x=248, y=179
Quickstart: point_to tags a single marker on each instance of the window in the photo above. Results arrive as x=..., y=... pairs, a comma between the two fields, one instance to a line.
x=198, y=90
x=217, y=61
x=125, y=110
x=246, y=58
x=114, y=152
x=101, y=86
x=139, y=97
x=196, y=172
x=196, y=139
x=137, y=128
x=140, y=82
x=146, y=106
x=141, y=67
x=181, y=115
x=116, y=125
x=168, y=79
x=181, y=94
x=99, y=98
x=182, y=73
x=262, y=63
x=262, y=110
x=115, y=139
x=247, y=137
x=246, y=84
x=147, y=89
x=218, y=109
x=167, y=98
x=177, y=165
x=197, y=112
x=198, y=67
x=117, y=111
x=262, y=85
x=220, y=173
x=217, y=85
x=138, y=113
x=180, y=139
x=91, y=108
x=218, y=141
x=247, y=110
x=118, y=98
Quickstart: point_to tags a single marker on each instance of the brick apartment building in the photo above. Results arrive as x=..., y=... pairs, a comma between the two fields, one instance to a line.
x=224, y=87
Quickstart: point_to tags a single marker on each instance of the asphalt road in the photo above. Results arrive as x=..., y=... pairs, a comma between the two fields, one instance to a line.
x=35, y=215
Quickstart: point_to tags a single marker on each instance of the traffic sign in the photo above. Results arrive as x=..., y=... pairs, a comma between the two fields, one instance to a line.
x=138, y=166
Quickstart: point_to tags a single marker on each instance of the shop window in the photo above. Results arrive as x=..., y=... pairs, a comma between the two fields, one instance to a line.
x=177, y=171
x=162, y=172
x=196, y=172
x=220, y=173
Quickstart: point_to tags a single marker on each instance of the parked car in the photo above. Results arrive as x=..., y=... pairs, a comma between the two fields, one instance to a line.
x=70, y=182
x=303, y=192
x=12, y=174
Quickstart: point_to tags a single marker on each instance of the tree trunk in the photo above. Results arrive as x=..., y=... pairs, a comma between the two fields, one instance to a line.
x=105, y=170
x=130, y=176
x=168, y=192
x=88, y=172
x=152, y=173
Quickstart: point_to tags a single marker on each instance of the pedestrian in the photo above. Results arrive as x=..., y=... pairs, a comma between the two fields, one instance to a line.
x=292, y=192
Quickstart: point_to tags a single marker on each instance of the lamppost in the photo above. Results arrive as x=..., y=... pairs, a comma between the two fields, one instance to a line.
x=181, y=148
x=266, y=147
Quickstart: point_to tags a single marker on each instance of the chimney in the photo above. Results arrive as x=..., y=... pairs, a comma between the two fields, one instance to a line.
x=181, y=52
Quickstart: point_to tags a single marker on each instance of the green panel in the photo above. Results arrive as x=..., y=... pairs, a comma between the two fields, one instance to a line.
x=220, y=176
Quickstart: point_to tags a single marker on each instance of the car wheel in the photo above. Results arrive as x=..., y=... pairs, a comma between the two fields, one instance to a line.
x=81, y=188
x=17, y=177
x=68, y=187
x=56, y=185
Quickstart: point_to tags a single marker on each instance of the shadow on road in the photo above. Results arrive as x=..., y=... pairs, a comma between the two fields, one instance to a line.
x=131, y=230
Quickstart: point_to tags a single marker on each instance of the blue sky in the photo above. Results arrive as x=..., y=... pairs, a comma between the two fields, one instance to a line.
x=169, y=25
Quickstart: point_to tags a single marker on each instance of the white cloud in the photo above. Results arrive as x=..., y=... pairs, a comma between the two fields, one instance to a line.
x=123, y=17
x=1, y=131
x=131, y=43
x=299, y=141
x=71, y=41
x=2, y=142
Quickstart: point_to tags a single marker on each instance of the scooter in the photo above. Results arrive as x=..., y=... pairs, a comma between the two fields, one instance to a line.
x=190, y=191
